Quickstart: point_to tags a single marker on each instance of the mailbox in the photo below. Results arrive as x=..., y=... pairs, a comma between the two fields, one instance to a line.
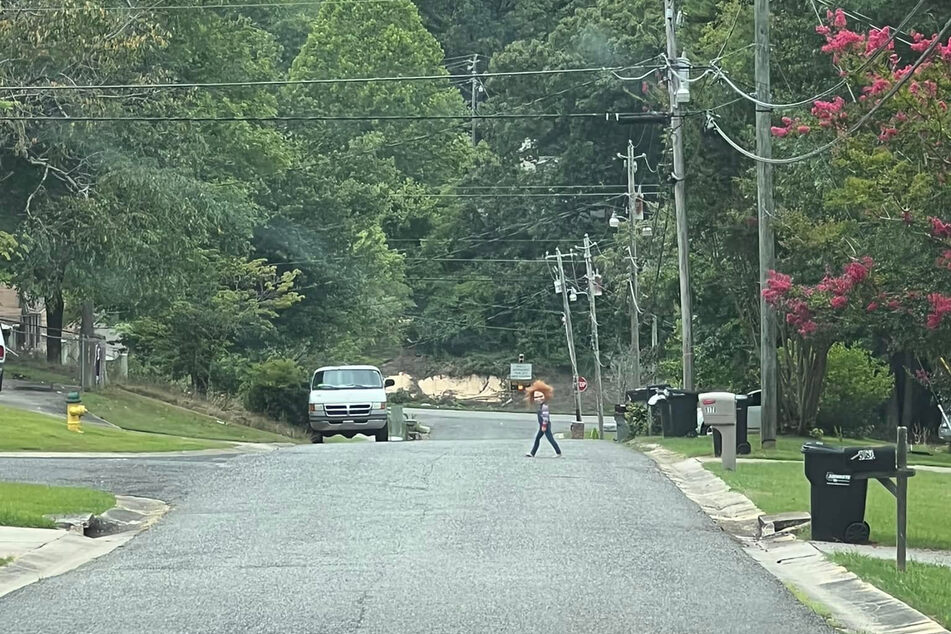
x=719, y=412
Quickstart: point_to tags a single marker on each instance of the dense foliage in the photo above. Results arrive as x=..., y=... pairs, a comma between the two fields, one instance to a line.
x=258, y=213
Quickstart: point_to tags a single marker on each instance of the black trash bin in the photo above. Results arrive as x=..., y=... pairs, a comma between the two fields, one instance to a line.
x=679, y=414
x=837, y=496
x=743, y=446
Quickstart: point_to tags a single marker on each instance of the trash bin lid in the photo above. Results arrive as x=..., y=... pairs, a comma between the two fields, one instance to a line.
x=821, y=448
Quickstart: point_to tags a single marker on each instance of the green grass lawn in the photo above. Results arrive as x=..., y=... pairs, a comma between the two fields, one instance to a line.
x=788, y=448
x=27, y=431
x=26, y=504
x=925, y=587
x=33, y=370
x=141, y=413
x=782, y=486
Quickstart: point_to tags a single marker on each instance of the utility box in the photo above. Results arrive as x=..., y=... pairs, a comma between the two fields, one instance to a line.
x=719, y=412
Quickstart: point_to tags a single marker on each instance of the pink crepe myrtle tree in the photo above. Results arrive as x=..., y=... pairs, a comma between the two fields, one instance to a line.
x=893, y=183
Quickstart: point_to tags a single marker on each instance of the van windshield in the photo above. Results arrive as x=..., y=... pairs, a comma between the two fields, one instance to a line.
x=347, y=380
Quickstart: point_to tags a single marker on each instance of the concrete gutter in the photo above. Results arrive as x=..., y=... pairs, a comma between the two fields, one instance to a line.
x=855, y=605
x=39, y=553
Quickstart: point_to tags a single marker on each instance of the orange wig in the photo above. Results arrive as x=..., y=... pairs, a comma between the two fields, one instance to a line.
x=538, y=386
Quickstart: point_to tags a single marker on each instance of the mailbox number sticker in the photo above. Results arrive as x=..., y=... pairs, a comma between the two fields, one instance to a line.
x=864, y=454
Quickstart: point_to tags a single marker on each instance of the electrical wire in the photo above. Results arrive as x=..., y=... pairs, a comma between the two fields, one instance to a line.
x=597, y=185
x=512, y=195
x=619, y=117
x=311, y=82
x=721, y=74
x=190, y=7
x=857, y=16
x=729, y=36
x=858, y=125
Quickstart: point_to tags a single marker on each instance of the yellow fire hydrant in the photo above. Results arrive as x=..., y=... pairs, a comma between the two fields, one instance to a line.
x=74, y=411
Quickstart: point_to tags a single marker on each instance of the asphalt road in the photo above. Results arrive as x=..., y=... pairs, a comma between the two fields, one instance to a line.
x=434, y=536
x=463, y=425
x=41, y=399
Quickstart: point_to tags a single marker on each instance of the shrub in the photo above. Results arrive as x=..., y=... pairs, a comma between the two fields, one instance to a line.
x=278, y=389
x=637, y=418
x=856, y=384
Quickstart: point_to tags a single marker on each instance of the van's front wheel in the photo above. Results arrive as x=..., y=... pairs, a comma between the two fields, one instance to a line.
x=316, y=437
x=383, y=435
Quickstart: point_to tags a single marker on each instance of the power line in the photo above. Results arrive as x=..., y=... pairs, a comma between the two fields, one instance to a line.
x=535, y=186
x=721, y=74
x=529, y=195
x=855, y=15
x=310, y=82
x=474, y=326
x=526, y=240
x=855, y=128
x=619, y=117
x=190, y=7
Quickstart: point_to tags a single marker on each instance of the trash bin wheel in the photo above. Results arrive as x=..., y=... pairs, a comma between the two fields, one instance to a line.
x=743, y=449
x=857, y=533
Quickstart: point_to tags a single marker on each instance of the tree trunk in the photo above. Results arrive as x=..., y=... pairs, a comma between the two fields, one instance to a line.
x=54, y=328
x=801, y=372
x=908, y=395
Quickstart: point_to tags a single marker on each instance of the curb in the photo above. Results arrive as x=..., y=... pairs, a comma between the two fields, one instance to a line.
x=71, y=548
x=854, y=604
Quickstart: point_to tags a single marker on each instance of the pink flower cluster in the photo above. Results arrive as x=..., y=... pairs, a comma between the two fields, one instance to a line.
x=800, y=317
x=944, y=260
x=877, y=39
x=853, y=273
x=790, y=126
x=794, y=300
x=923, y=376
x=829, y=112
x=940, y=306
x=940, y=228
x=878, y=86
x=921, y=44
x=777, y=287
x=887, y=133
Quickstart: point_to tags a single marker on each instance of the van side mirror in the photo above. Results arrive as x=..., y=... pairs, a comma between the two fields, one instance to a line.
x=389, y=383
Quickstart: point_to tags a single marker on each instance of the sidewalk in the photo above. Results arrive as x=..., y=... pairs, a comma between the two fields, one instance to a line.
x=937, y=557
x=916, y=467
x=39, y=553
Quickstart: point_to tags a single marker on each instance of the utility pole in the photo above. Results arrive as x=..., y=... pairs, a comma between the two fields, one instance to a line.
x=635, y=213
x=654, y=351
x=570, y=334
x=87, y=351
x=680, y=203
x=472, y=102
x=764, y=188
x=594, y=335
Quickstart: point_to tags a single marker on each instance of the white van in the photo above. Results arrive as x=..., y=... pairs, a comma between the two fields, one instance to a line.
x=348, y=400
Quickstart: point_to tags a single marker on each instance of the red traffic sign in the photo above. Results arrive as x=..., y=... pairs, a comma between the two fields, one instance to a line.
x=582, y=384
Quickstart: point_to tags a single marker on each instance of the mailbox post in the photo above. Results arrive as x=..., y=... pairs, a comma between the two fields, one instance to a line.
x=719, y=412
